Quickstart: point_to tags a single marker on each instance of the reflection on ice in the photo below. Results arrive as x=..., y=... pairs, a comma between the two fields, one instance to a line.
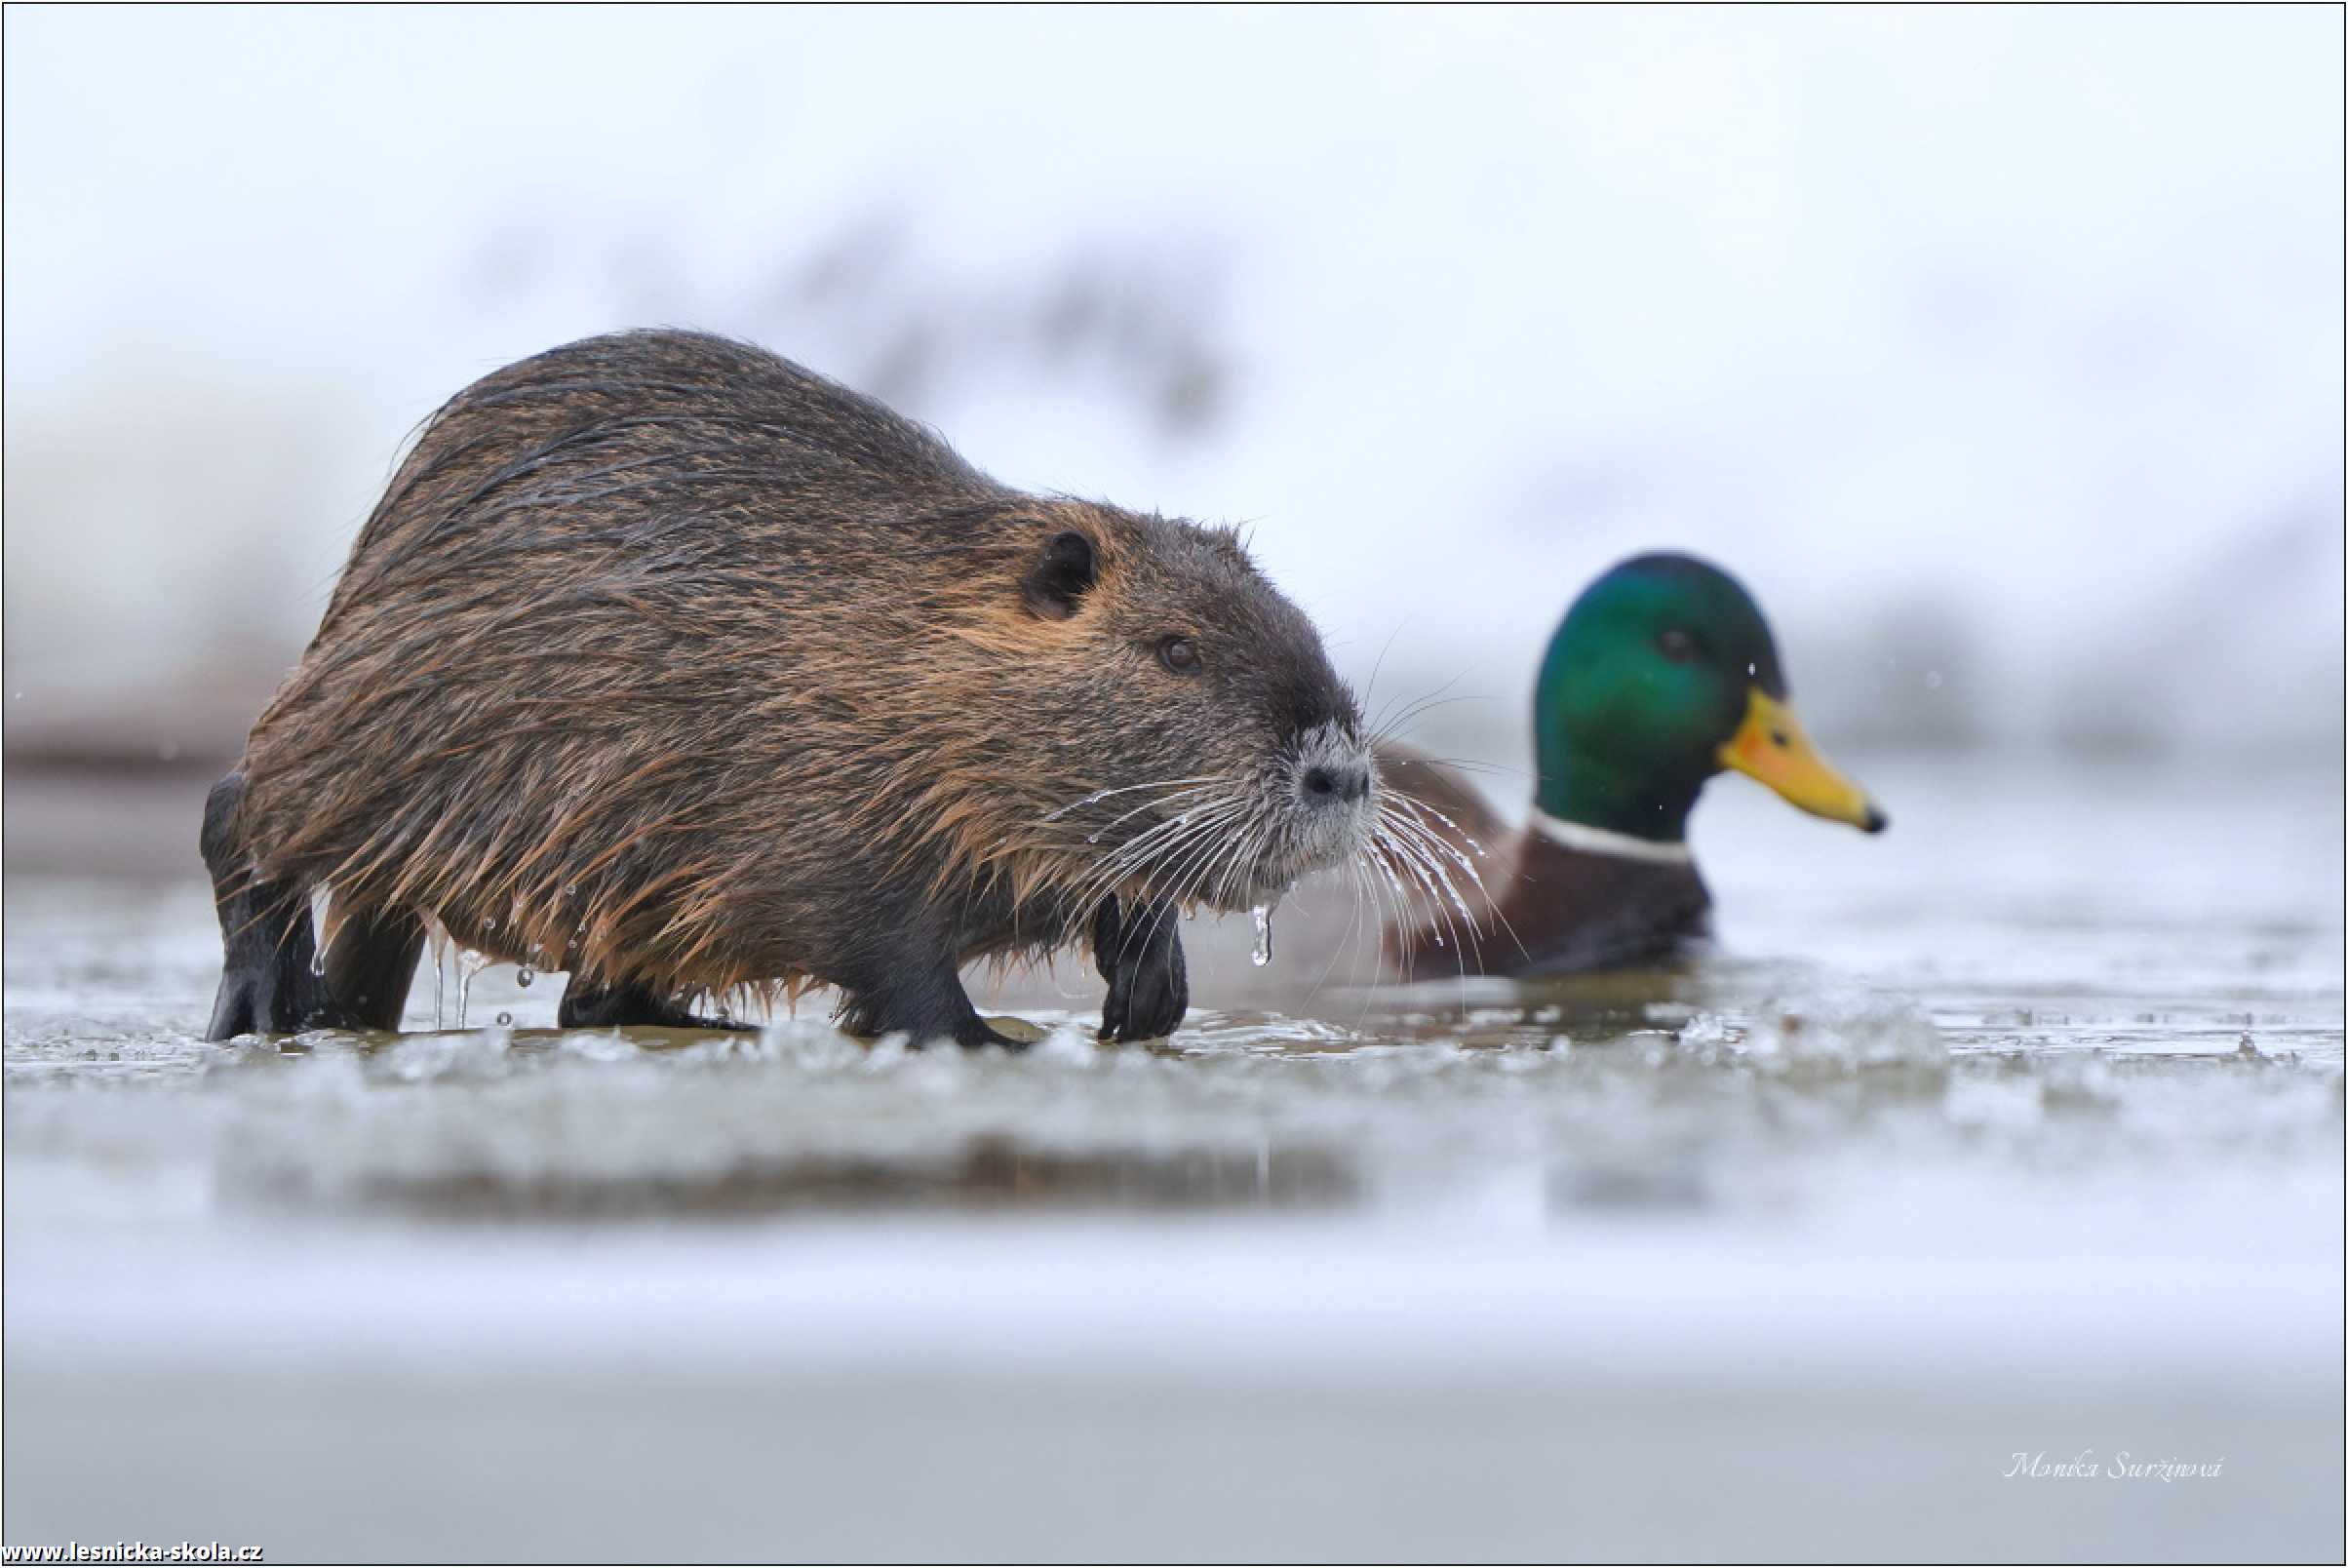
x=2039, y=1149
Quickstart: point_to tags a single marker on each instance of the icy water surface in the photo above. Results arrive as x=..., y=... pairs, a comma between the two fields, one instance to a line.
x=2017, y=1131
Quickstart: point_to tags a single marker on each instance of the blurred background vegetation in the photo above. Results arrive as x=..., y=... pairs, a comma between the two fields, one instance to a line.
x=1998, y=350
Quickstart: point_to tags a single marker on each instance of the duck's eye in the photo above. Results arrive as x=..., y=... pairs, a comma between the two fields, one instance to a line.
x=1179, y=654
x=1676, y=645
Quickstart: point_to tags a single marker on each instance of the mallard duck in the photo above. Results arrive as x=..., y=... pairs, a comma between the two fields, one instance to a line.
x=1662, y=674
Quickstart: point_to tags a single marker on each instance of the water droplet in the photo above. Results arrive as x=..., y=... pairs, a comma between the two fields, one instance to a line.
x=505, y=1020
x=525, y=975
x=489, y=922
x=1262, y=916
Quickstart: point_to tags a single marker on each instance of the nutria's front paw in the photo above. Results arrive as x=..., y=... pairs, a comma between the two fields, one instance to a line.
x=1140, y=955
x=587, y=1005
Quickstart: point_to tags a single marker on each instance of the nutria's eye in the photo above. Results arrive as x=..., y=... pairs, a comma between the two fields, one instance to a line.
x=1179, y=654
x=1677, y=646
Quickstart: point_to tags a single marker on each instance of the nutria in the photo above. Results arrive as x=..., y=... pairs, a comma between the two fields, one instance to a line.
x=671, y=664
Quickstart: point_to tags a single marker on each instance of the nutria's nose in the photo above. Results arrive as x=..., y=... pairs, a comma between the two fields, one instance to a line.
x=1326, y=783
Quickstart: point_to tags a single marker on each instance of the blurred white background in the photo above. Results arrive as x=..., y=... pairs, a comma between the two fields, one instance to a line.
x=1998, y=350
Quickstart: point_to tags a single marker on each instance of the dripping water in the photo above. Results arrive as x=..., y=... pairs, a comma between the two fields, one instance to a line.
x=439, y=974
x=321, y=902
x=468, y=964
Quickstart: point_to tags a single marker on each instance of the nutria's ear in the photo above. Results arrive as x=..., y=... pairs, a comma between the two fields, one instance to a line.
x=1061, y=575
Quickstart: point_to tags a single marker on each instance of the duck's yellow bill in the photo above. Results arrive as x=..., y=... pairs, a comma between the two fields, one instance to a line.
x=1771, y=747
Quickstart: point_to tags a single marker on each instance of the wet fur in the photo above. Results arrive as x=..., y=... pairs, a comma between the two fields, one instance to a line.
x=669, y=663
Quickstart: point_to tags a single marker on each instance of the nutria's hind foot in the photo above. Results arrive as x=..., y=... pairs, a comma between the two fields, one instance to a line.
x=267, y=952
x=587, y=1005
x=272, y=978
x=1140, y=955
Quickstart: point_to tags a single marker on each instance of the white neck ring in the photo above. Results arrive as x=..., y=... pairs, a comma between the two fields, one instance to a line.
x=1606, y=842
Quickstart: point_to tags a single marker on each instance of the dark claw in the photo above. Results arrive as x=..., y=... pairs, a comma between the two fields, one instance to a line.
x=974, y=1031
x=1141, y=959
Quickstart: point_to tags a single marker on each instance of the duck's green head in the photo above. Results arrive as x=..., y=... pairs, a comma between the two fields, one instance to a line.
x=1662, y=674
